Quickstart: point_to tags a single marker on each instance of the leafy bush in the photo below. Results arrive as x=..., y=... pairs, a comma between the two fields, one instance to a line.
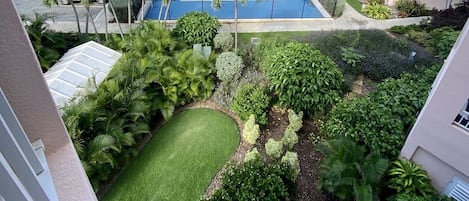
x=252, y=155
x=251, y=130
x=291, y=159
x=442, y=40
x=377, y=11
x=411, y=8
x=420, y=37
x=349, y=172
x=251, y=100
x=399, y=29
x=381, y=121
x=382, y=59
x=369, y=123
x=229, y=66
x=309, y=83
x=273, y=148
x=224, y=94
x=351, y=57
x=121, y=8
x=197, y=27
x=255, y=180
x=453, y=17
x=223, y=41
x=295, y=120
x=289, y=138
x=410, y=178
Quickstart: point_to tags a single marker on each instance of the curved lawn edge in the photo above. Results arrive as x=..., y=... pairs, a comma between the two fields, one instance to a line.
x=177, y=163
x=237, y=157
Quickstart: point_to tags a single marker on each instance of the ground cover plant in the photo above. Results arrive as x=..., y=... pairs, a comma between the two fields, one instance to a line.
x=180, y=160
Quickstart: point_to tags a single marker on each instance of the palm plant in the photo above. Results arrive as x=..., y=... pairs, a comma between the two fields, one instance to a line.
x=410, y=178
x=349, y=172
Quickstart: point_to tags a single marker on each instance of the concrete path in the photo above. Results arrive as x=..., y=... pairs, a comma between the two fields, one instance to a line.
x=350, y=20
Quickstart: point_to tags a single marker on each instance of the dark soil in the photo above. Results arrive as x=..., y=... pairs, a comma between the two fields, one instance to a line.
x=309, y=158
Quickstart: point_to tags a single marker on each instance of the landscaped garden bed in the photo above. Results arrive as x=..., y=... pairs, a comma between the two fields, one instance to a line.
x=303, y=136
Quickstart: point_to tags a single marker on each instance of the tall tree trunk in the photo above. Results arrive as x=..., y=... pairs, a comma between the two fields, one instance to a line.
x=76, y=18
x=117, y=20
x=92, y=23
x=87, y=20
x=105, y=22
x=167, y=11
x=236, y=24
x=129, y=11
x=141, y=9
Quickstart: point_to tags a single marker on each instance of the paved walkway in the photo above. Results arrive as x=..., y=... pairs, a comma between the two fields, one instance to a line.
x=350, y=20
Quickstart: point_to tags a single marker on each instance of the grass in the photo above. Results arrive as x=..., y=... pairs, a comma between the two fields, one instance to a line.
x=181, y=159
x=245, y=38
x=355, y=5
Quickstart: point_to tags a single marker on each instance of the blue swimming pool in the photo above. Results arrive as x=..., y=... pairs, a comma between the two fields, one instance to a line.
x=260, y=9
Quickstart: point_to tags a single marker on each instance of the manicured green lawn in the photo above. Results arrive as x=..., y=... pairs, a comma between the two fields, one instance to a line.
x=180, y=160
x=245, y=38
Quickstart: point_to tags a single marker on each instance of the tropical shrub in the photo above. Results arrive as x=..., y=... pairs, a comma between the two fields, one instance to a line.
x=252, y=155
x=309, y=83
x=251, y=100
x=410, y=178
x=442, y=40
x=383, y=59
x=418, y=36
x=295, y=120
x=291, y=159
x=349, y=172
x=273, y=148
x=229, y=66
x=290, y=138
x=381, y=121
x=411, y=8
x=255, y=180
x=223, y=41
x=377, y=11
x=452, y=17
x=369, y=123
x=351, y=57
x=110, y=118
x=197, y=27
x=251, y=130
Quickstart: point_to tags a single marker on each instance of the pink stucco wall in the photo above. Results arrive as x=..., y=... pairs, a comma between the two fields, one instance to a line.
x=24, y=86
x=435, y=141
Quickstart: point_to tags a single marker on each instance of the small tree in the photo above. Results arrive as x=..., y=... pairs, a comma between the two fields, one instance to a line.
x=197, y=27
x=251, y=100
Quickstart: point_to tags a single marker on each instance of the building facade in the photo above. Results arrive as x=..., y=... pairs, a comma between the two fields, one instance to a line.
x=39, y=141
x=439, y=139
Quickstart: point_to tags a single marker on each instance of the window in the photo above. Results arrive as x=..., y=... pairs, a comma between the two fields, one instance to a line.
x=462, y=119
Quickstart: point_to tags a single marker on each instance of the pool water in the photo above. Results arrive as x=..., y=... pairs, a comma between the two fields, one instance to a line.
x=252, y=9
